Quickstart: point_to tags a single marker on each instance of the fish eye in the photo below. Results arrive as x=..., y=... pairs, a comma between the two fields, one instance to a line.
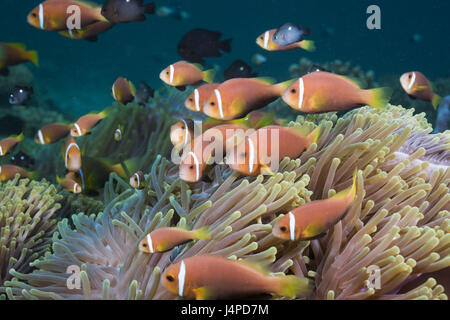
x=262, y=38
x=34, y=14
x=410, y=76
x=190, y=99
x=243, y=154
x=182, y=127
x=212, y=103
x=293, y=90
x=283, y=229
x=144, y=245
x=170, y=279
x=167, y=72
x=191, y=167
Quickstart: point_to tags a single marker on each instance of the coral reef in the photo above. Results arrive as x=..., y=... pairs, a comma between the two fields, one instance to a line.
x=27, y=223
x=398, y=224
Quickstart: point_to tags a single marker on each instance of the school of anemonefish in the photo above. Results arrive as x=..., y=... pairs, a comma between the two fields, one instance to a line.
x=237, y=133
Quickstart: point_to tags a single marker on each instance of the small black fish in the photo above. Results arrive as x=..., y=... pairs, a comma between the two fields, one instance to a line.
x=123, y=11
x=144, y=93
x=22, y=160
x=20, y=95
x=239, y=69
x=316, y=68
x=201, y=43
x=290, y=33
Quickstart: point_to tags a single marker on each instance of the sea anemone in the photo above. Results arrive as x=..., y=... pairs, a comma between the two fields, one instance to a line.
x=396, y=230
x=27, y=223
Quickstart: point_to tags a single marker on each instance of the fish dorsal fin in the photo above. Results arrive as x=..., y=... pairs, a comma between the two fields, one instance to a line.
x=266, y=80
x=301, y=130
x=260, y=267
x=18, y=45
x=355, y=81
x=90, y=3
x=198, y=66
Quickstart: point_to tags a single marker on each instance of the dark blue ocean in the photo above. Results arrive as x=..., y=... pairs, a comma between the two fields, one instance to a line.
x=78, y=75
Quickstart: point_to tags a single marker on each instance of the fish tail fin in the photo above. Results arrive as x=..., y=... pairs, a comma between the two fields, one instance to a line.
x=313, y=136
x=437, y=99
x=379, y=97
x=226, y=45
x=282, y=86
x=203, y=233
x=350, y=192
x=307, y=45
x=132, y=88
x=209, y=75
x=293, y=286
x=149, y=8
x=266, y=120
x=34, y=57
x=34, y=175
x=20, y=137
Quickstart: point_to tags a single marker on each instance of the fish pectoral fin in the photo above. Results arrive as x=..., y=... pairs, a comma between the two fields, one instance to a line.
x=238, y=104
x=420, y=88
x=312, y=231
x=317, y=100
x=323, y=234
x=203, y=293
x=265, y=170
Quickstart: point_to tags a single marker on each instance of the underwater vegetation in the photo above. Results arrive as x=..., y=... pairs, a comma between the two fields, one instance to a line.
x=319, y=187
x=398, y=222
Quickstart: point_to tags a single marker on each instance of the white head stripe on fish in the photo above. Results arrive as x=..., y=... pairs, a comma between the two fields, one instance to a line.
x=301, y=93
x=181, y=279
x=41, y=136
x=1, y=151
x=266, y=39
x=77, y=128
x=413, y=79
x=82, y=178
x=41, y=16
x=138, y=180
x=197, y=100
x=114, y=91
x=292, y=225
x=219, y=102
x=67, y=151
x=172, y=71
x=150, y=243
x=251, y=156
x=197, y=166
x=75, y=188
x=186, y=132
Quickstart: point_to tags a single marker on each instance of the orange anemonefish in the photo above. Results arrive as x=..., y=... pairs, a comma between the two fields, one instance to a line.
x=417, y=86
x=198, y=97
x=213, y=277
x=69, y=182
x=312, y=220
x=266, y=42
x=183, y=73
x=9, y=171
x=182, y=133
x=85, y=124
x=195, y=160
x=165, y=239
x=12, y=54
x=8, y=143
x=137, y=180
x=52, y=15
x=123, y=90
x=89, y=33
x=320, y=91
x=52, y=133
x=72, y=155
x=237, y=97
x=253, y=155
